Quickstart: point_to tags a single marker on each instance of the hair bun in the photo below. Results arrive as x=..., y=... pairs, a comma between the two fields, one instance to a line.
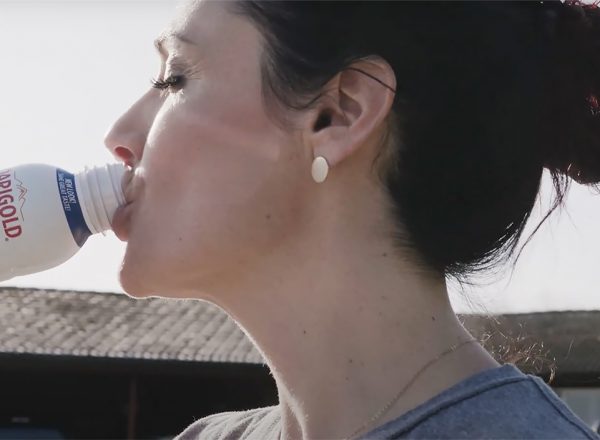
x=572, y=121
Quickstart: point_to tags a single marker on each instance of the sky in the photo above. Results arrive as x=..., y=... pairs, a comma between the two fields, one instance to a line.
x=70, y=68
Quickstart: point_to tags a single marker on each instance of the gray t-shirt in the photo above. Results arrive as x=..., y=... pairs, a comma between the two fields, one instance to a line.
x=498, y=403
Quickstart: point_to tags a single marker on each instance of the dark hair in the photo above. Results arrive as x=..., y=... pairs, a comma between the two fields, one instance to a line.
x=488, y=94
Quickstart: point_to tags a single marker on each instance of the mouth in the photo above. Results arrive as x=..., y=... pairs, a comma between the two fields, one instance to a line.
x=121, y=220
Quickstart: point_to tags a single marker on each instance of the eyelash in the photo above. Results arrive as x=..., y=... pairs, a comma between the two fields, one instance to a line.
x=172, y=82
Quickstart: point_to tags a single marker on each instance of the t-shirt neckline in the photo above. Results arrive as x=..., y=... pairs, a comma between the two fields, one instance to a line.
x=503, y=372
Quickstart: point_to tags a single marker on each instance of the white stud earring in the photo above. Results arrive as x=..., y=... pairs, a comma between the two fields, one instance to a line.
x=320, y=168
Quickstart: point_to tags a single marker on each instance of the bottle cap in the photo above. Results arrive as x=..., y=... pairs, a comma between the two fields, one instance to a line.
x=101, y=194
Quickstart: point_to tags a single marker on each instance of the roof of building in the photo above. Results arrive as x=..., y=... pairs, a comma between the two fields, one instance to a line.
x=95, y=324
x=59, y=322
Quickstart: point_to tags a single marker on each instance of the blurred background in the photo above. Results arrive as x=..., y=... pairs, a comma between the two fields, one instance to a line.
x=70, y=68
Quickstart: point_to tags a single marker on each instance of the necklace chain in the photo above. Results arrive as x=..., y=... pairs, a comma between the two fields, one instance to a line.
x=383, y=410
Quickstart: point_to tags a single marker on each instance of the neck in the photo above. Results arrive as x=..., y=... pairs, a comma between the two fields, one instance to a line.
x=346, y=329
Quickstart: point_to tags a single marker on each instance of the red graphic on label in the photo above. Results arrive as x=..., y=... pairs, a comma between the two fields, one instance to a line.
x=22, y=194
x=11, y=224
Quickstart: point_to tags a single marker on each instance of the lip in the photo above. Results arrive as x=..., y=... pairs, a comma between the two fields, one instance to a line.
x=121, y=220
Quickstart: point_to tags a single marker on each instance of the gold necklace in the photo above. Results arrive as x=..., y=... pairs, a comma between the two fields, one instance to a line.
x=383, y=410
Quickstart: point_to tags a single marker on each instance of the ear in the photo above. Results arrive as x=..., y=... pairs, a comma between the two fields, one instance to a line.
x=353, y=105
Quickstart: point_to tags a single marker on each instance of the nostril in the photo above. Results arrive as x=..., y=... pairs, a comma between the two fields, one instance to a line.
x=125, y=155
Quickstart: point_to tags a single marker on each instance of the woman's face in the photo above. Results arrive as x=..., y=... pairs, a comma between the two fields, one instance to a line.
x=217, y=184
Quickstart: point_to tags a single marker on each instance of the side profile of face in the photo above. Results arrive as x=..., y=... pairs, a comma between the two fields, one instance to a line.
x=217, y=183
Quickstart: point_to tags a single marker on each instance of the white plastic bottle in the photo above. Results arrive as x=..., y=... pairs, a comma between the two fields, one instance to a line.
x=47, y=213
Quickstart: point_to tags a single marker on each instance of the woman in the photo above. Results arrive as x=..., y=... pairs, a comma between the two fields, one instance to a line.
x=318, y=170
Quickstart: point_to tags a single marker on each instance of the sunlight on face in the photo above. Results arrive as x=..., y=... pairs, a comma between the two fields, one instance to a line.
x=216, y=184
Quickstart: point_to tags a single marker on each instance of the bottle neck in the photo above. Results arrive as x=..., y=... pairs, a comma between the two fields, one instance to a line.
x=100, y=194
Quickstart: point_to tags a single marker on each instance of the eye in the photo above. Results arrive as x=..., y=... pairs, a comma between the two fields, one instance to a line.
x=172, y=83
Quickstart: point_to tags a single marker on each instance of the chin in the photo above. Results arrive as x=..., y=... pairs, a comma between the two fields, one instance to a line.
x=155, y=269
x=136, y=278
x=133, y=286
x=143, y=278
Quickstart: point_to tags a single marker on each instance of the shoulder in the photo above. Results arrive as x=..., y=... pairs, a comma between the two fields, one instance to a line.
x=255, y=423
x=498, y=403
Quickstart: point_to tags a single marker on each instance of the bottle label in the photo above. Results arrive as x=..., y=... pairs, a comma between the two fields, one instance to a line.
x=11, y=209
x=71, y=206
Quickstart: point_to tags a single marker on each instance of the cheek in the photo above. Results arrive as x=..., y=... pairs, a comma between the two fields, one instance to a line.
x=218, y=128
x=229, y=187
x=221, y=154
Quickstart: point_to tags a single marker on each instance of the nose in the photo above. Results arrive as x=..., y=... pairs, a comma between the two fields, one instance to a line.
x=127, y=136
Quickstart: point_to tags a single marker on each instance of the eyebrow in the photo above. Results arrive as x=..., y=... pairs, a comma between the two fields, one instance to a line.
x=165, y=36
